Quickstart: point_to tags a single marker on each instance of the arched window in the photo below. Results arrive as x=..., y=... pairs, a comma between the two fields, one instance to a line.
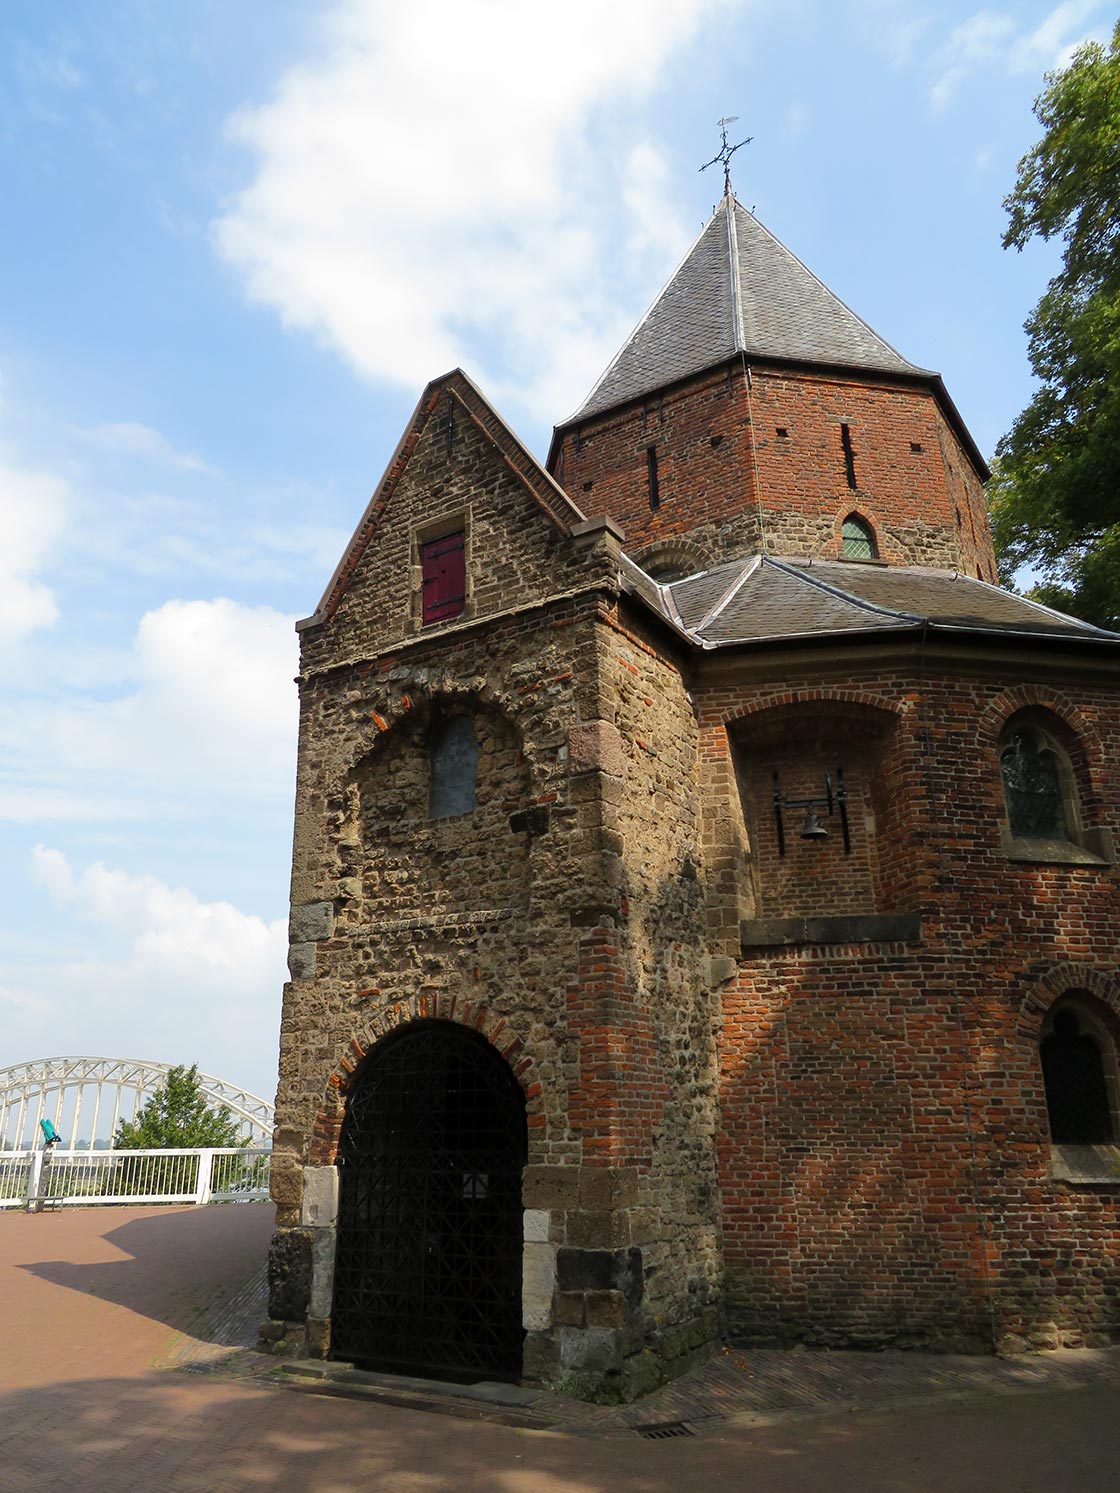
x=858, y=539
x=1037, y=785
x=1076, y=1060
x=453, y=768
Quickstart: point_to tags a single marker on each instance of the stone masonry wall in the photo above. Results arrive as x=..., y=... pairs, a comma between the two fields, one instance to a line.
x=515, y=918
x=647, y=1023
x=885, y=1160
x=452, y=474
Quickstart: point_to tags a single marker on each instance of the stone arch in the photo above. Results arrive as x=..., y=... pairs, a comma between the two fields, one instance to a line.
x=499, y=1030
x=416, y=706
x=1060, y=980
x=396, y=857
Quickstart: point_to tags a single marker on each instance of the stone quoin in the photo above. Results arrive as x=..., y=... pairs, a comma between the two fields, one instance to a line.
x=699, y=805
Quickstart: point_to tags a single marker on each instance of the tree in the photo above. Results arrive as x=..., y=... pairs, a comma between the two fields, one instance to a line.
x=176, y=1113
x=1056, y=493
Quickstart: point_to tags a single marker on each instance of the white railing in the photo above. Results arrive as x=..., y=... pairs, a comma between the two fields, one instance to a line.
x=30, y=1179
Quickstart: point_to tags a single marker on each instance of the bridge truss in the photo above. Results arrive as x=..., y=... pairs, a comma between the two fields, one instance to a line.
x=77, y=1092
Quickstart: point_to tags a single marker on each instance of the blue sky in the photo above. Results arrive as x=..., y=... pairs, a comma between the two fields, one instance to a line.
x=238, y=239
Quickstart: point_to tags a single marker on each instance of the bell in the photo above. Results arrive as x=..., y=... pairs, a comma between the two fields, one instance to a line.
x=814, y=829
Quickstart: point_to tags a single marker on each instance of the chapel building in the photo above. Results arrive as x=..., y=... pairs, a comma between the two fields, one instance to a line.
x=704, y=897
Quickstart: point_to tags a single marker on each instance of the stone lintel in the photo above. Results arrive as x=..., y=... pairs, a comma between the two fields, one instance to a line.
x=877, y=927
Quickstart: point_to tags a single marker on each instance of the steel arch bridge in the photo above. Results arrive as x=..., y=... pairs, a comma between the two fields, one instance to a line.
x=64, y=1090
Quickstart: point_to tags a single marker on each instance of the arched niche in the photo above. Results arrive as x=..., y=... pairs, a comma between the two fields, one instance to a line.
x=431, y=824
x=789, y=760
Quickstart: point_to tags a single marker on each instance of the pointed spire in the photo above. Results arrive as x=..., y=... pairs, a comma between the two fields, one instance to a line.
x=739, y=290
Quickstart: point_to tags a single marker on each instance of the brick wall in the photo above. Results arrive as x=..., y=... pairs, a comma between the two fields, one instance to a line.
x=884, y=1150
x=725, y=471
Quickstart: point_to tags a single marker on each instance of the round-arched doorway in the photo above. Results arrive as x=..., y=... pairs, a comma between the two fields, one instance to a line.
x=428, y=1265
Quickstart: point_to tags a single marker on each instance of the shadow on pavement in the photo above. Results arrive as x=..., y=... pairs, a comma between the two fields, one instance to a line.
x=184, y=1268
x=179, y=1433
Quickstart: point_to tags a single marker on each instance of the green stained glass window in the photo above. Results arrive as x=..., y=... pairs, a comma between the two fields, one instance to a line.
x=858, y=539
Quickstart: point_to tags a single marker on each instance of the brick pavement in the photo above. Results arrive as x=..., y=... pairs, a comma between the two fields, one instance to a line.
x=93, y=1299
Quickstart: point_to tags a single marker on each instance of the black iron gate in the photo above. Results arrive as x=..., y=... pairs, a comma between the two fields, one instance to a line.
x=428, y=1269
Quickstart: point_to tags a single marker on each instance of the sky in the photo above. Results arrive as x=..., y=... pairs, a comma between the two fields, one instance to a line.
x=237, y=242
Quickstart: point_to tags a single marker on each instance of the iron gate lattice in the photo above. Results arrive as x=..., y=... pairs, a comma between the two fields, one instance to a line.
x=428, y=1268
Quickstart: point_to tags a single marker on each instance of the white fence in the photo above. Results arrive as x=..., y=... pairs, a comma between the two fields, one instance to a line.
x=233, y=1174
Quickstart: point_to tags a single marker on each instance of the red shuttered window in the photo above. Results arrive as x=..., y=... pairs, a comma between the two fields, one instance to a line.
x=442, y=561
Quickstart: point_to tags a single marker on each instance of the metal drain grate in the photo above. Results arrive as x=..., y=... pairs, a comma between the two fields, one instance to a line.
x=665, y=1431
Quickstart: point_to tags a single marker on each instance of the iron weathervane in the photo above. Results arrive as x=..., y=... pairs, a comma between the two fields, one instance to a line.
x=725, y=152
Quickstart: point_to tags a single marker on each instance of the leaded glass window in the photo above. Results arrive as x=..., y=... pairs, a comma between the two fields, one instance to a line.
x=858, y=539
x=1076, y=1087
x=453, y=760
x=1032, y=787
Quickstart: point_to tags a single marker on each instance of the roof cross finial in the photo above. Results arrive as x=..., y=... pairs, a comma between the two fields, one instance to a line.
x=726, y=152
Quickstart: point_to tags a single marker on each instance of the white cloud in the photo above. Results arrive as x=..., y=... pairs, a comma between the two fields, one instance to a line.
x=158, y=973
x=52, y=68
x=17, y=999
x=438, y=177
x=1053, y=42
x=995, y=40
x=172, y=934
x=33, y=510
x=892, y=28
x=211, y=716
x=130, y=439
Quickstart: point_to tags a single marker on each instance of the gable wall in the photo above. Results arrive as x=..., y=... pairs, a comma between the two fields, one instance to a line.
x=512, y=544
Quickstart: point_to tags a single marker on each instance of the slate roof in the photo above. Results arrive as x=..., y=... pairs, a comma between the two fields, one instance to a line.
x=765, y=599
x=739, y=290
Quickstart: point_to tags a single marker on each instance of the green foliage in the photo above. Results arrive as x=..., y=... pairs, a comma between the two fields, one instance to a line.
x=177, y=1114
x=1056, y=494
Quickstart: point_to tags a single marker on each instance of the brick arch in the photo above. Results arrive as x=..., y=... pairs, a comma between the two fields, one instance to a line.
x=683, y=551
x=1062, y=979
x=886, y=546
x=782, y=697
x=1037, y=697
x=500, y=1031
x=1082, y=745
